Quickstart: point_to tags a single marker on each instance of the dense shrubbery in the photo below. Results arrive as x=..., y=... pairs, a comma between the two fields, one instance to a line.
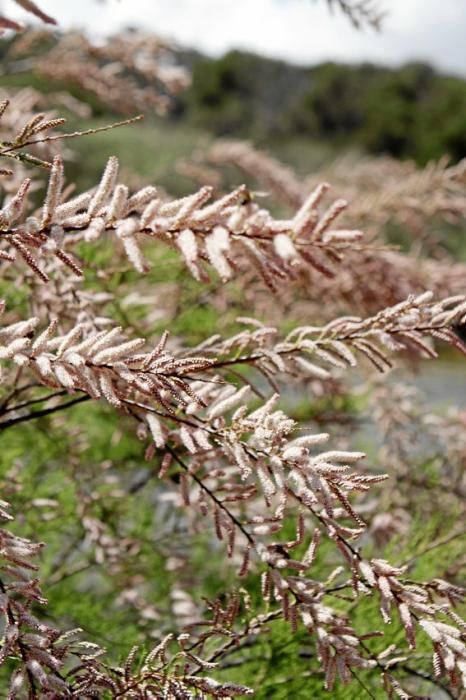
x=407, y=112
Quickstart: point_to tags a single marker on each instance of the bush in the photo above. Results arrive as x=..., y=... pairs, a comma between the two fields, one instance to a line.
x=198, y=501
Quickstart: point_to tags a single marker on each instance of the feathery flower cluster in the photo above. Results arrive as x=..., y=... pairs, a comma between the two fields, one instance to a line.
x=202, y=425
x=128, y=72
x=226, y=234
x=379, y=189
x=20, y=124
x=280, y=496
x=102, y=364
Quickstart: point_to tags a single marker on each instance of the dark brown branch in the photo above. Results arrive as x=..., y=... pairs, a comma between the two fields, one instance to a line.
x=4, y=425
x=212, y=495
x=32, y=402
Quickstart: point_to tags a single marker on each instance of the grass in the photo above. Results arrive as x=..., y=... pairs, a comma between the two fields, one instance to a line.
x=149, y=149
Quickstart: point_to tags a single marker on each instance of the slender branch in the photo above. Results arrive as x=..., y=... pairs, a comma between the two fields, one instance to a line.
x=73, y=134
x=435, y=545
x=212, y=495
x=363, y=685
x=427, y=677
x=32, y=402
x=4, y=425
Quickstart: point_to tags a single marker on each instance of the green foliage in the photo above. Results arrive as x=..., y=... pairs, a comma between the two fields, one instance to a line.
x=81, y=592
x=407, y=112
x=150, y=150
x=332, y=106
x=242, y=94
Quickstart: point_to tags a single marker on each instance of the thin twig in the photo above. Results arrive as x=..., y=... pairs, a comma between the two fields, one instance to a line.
x=40, y=414
x=73, y=134
x=212, y=495
x=32, y=402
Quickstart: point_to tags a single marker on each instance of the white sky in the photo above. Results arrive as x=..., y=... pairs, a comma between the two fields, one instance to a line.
x=301, y=31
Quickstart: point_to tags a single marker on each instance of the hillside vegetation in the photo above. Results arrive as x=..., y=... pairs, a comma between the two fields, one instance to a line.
x=407, y=112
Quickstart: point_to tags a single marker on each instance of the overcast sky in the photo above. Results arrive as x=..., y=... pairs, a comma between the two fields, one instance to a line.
x=301, y=31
